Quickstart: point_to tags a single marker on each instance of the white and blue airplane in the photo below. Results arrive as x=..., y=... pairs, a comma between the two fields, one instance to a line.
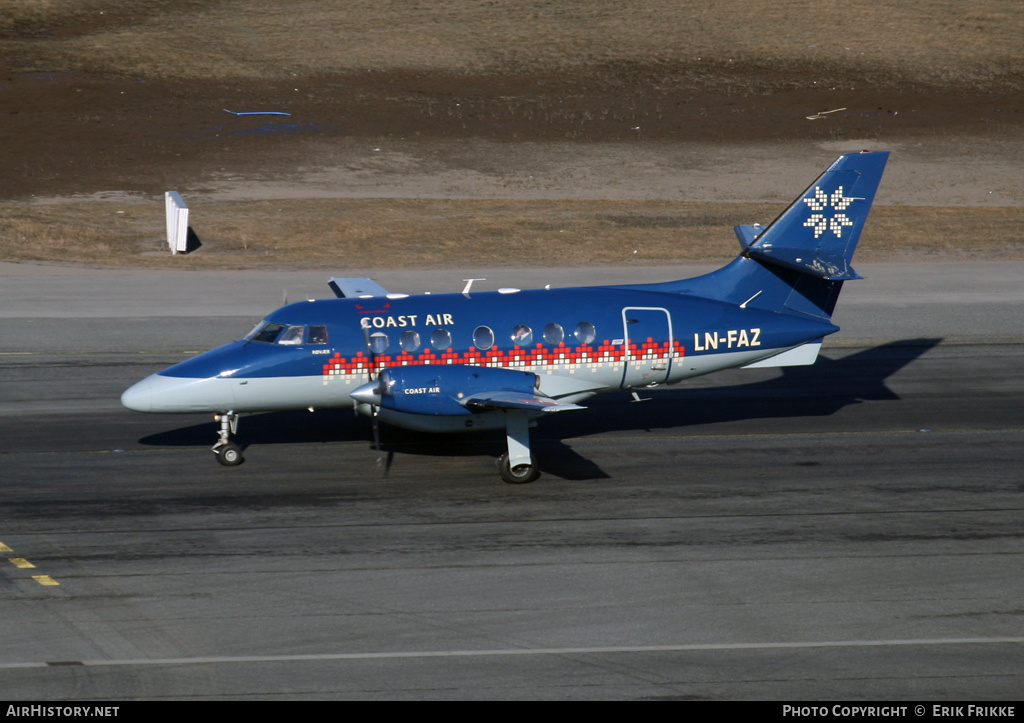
x=503, y=359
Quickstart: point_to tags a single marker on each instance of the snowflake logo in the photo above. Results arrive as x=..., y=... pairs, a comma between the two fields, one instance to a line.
x=821, y=201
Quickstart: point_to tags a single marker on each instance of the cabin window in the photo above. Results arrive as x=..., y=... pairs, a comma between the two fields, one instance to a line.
x=554, y=334
x=483, y=338
x=317, y=335
x=378, y=342
x=292, y=336
x=266, y=333
x=522, y=335
x=441, y=339
x=585, y=332
x=409, y=341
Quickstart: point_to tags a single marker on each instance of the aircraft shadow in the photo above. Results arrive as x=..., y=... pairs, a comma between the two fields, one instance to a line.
x=817, y=390
x=811, y=391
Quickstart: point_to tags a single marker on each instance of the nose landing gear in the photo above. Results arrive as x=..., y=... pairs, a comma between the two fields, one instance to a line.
x=228, y=453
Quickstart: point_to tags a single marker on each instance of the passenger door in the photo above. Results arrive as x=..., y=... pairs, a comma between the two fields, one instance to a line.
x=647, y=332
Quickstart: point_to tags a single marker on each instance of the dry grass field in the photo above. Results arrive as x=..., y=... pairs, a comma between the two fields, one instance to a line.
x=126, y=99
x=434, y=233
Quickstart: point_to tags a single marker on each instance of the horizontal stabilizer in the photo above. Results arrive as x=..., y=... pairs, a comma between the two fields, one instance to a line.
x=748, y=234
x=799, y=356
x=351, y=288
x=824, y=265
x=517, y=400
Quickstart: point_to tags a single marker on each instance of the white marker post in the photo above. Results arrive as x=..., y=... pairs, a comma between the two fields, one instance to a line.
x=177, y=222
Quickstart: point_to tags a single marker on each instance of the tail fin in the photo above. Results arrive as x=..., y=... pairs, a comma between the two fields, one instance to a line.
x=818, y=233
x=799, y=262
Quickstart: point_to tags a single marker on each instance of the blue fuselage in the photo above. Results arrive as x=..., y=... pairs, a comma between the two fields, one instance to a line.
x=579, y=341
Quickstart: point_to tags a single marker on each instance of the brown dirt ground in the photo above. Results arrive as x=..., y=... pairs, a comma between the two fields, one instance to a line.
x=72, y=135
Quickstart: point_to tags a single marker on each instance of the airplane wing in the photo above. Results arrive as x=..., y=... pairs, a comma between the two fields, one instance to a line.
x=517, y=400
x=351, y=288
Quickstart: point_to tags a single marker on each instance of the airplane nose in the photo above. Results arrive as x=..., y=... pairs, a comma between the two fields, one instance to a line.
x=159, y=393
x=139, y=397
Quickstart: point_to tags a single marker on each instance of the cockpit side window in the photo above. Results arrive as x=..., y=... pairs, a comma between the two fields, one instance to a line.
x=317, y=335
x=292, y=335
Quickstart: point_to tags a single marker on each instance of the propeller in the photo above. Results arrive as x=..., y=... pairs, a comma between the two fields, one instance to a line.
x=373, y=398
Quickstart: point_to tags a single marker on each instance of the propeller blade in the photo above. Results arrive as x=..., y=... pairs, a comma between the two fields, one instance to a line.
x=369, y=353
x=371, y=394
x=376, y=435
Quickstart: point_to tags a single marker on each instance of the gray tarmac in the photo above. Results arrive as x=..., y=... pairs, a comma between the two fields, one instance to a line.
x=850, y=530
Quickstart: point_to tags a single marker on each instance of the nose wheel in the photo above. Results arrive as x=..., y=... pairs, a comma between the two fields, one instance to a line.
x=228, y=453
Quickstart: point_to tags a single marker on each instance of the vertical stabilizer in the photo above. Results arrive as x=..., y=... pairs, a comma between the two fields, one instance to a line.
x=818, y=233
x=798, y=263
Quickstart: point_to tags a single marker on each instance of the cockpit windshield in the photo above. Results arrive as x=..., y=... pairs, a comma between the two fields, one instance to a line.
x=265, y=332
x=287, y=335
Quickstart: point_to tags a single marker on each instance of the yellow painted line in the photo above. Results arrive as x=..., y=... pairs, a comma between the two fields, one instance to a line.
x=5, y=548
x=21, y=562
x=45, y=580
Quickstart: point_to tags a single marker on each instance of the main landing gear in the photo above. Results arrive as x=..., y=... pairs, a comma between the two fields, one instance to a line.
x=518, y=467
x=519, y=474
x=228, y=453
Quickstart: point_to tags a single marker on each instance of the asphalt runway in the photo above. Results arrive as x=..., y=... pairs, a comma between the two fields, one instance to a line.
x=850, y=530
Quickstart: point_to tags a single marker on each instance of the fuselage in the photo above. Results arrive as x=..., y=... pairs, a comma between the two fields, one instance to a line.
x=579, y=341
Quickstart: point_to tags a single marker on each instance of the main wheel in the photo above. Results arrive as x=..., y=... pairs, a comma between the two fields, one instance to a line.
x=520, y=474
x=229, y=455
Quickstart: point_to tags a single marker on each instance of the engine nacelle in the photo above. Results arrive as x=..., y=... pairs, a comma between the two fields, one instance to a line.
x=441, y=390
